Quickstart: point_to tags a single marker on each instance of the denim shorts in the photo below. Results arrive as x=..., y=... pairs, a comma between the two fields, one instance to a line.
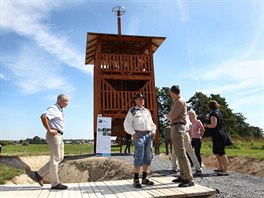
x=143, y=150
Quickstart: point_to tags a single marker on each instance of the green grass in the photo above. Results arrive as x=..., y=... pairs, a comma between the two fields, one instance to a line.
x=247, y=147
x=7, y=173
x=243, y=147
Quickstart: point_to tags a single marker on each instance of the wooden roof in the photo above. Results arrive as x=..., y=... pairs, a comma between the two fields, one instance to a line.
x=120, y=44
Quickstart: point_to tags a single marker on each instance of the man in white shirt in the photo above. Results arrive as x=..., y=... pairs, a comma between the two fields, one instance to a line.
x=53, y=121
x=139, y=124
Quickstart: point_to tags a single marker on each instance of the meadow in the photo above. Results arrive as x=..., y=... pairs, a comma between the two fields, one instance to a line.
x=243, y=147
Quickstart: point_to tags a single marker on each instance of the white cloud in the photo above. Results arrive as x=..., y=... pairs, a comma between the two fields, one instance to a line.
x=183, y=10
x=28, y=19
x=32, y=71
x=233, y=70
x=2, y=76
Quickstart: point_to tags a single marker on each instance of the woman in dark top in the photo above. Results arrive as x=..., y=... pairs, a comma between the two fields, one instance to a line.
x=218, y=137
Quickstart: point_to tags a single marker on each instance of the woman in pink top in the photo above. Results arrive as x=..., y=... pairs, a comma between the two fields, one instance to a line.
x=196, y=133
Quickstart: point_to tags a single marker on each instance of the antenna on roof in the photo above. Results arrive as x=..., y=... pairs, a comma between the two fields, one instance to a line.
x=118, y=11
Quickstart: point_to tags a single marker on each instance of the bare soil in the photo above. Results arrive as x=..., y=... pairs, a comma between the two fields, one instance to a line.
x=103, y=169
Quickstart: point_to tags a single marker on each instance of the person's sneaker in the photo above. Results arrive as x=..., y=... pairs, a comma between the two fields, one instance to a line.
x=136, y=184
x=60, y=186
x=178, y=180
x=186, y=184
x=38, y=178
x=197, y=173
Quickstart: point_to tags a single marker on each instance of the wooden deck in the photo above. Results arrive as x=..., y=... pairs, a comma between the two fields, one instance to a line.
x=120, y=188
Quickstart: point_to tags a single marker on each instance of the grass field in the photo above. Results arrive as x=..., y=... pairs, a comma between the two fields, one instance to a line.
x=243, y=147
x=247, y=147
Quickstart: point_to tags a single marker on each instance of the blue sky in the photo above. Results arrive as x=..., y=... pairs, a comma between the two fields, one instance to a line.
x=215, y=47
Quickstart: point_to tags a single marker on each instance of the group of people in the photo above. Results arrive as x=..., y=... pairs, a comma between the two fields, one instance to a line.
x=139, y=125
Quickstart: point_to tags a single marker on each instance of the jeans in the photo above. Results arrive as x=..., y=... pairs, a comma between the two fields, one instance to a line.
x=143, y=150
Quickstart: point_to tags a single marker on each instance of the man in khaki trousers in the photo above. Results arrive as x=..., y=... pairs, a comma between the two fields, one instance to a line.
x=53, y=121
x=177, y=118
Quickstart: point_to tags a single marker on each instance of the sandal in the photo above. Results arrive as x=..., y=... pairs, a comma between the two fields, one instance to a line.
x=222, y=174
x=136, y=184
x=218, y=171
x=147, y=182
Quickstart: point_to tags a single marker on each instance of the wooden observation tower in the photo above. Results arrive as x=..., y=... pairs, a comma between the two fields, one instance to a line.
x=123, y=66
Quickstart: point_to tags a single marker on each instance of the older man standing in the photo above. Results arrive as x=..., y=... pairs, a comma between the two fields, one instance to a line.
x=53, y=121
x=177, y=117
x=140, y=125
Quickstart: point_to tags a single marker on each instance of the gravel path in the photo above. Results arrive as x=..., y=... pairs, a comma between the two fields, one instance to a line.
x=235, y=185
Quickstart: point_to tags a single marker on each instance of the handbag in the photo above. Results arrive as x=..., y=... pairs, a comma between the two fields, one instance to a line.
x=228, y=140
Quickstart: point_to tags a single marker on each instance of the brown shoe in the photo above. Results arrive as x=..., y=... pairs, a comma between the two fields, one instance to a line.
x=186, y=184
x=60, y=186
x=178, y=180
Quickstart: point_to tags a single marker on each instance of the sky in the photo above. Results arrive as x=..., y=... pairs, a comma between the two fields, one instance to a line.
x=213, y=47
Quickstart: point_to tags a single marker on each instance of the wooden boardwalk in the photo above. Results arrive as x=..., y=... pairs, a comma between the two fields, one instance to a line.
x=120, y=188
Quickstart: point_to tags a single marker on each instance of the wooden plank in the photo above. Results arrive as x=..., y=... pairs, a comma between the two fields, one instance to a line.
x=136, y=191
x=89, y=190
x=9, y=191
x=172, y=189
x=44, y=192
x=36, y=192
x=151, y=190
x=105, y=190
x=26, y=191
x=116, y=190
x=124, y=188
x=77, y=190
x=52, y=193
x=96, y=190
x=83, y=190
x=163, y=187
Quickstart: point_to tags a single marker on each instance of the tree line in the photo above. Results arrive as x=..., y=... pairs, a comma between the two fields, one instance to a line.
x=234, y=123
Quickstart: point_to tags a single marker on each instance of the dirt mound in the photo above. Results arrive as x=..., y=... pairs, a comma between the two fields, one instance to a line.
x=70, y=171
x=94, y=169
x=239, y=164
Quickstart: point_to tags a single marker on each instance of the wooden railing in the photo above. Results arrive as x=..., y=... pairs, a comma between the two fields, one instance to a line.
x=112, y=99
x=126, y=63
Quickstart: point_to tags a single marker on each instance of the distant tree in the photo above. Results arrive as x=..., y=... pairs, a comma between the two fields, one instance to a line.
x=35, y=140
x=25, y=143
x=198, y=103
x=164, y=102
x=6, y=142
x=242, y=128
x=257, y=132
